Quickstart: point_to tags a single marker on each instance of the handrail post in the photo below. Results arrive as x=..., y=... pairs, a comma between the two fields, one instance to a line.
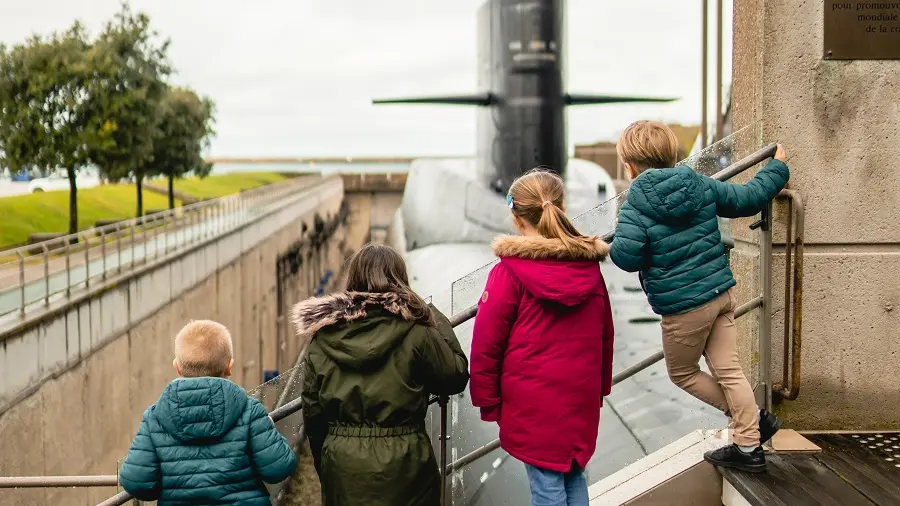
x=144, y=238
x=156, y=234
x=170, y=230
x=119, y=246
x=764, y=395
x=87, y=262
x=46, y=275
x=195, y=227
x=444, y=437
x=789, y=387
x=68, y=266
x=103, y=250
x=21, y=283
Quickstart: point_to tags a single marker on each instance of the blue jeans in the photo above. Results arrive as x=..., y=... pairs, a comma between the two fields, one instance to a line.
x=551, y=488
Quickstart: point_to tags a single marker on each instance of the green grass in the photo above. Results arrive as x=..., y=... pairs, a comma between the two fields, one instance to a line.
x=221, y=185
x=48, y=212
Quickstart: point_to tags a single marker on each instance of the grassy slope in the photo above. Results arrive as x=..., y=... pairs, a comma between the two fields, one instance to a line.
x=221, y=185
x=23, y=215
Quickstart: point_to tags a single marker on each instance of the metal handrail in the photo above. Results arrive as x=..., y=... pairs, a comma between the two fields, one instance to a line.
x=105, y=480
x=789, y=387
x=456, y=320
x=276, y=415
x=147, y=219
x=724, y=174
x=221, y=213
x=618, y=378
x=295, y=406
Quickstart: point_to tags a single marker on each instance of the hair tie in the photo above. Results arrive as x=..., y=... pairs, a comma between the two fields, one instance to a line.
x=545, y=203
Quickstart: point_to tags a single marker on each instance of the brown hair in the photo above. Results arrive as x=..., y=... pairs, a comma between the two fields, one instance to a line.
x=537, y=197
x=648, y=145
x=203, y=348
x=377, y=268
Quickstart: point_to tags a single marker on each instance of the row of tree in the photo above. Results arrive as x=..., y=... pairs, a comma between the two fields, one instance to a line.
x=69, y=101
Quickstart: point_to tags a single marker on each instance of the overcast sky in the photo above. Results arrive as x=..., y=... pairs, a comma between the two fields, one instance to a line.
x=295, y=77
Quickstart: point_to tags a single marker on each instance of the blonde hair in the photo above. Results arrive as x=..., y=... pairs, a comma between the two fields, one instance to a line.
x=203, y=348
x=648, y=145
x=537, y=197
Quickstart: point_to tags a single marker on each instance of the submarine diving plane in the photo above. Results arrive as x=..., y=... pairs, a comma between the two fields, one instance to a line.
x=452, y=208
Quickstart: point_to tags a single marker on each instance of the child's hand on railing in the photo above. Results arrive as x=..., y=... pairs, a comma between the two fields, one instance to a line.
x=779, y=153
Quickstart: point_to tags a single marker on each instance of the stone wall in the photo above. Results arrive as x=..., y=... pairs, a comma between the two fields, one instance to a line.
x=75, y=384
x=840, y=124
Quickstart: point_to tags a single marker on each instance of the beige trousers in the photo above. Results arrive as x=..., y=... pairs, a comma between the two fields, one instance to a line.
x=709, y=331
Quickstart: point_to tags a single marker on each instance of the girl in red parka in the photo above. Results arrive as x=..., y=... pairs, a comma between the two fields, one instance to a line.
x=543, y=340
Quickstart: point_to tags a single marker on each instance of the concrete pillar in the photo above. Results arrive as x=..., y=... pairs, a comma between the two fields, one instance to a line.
x=840, y=124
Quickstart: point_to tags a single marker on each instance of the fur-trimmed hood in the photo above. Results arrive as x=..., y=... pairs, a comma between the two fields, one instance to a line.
x=532, y=247
x=353, y=345
x=549, y=271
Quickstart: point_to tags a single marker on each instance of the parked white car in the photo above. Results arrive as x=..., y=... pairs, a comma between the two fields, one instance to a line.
x=59, y=180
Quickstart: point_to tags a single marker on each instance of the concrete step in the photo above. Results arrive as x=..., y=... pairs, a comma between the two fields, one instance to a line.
x=676, y=474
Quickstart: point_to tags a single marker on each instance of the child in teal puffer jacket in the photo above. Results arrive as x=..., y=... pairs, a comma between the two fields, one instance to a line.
x=668, y=232
x=205, y=441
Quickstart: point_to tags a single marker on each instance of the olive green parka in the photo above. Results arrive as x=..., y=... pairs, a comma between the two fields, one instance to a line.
x=369, y=372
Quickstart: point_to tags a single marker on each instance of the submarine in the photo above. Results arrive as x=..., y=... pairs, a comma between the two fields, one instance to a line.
x=452, y=208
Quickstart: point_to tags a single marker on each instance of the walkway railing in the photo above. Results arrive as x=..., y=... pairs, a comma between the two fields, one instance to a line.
x=36, y=274
x=761, y=301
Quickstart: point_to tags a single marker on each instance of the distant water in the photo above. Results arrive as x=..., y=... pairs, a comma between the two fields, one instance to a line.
x=323, y=168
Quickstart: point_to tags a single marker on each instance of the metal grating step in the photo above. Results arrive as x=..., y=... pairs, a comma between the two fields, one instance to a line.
x=884, y=445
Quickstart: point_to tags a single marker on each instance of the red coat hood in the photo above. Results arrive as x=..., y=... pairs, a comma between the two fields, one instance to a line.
x=551, y=271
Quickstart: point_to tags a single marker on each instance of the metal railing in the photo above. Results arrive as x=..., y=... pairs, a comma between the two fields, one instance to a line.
x=789, y=387
x=763, y=301
x=277, y=414
x=36, y=274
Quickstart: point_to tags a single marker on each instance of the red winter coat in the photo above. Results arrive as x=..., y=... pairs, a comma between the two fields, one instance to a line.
x=542, y=350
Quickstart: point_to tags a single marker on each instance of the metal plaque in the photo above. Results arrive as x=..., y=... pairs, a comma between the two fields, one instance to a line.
x=868, y=30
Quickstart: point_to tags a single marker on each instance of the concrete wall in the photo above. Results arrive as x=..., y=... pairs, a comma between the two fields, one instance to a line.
x=74, y=385
x=373, y=200
x=840, y=124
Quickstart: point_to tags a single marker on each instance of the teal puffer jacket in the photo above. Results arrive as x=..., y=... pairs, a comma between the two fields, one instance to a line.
x=668, y=231
x=206, y=442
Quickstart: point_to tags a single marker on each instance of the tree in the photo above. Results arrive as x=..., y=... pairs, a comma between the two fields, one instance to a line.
x=130, y=89
x=47, y=118
x=185, y=129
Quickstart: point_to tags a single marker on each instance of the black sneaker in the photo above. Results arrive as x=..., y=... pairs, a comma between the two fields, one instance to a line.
x=769, y=424
x=731, y=456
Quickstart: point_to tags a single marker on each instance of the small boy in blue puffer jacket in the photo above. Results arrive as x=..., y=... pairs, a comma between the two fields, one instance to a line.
x=205, y=441
x=668, y=232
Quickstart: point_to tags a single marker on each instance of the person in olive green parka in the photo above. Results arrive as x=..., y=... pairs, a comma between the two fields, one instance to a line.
x=376, y=353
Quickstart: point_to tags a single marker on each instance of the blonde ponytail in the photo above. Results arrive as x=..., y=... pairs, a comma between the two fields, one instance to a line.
x=537, y=197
